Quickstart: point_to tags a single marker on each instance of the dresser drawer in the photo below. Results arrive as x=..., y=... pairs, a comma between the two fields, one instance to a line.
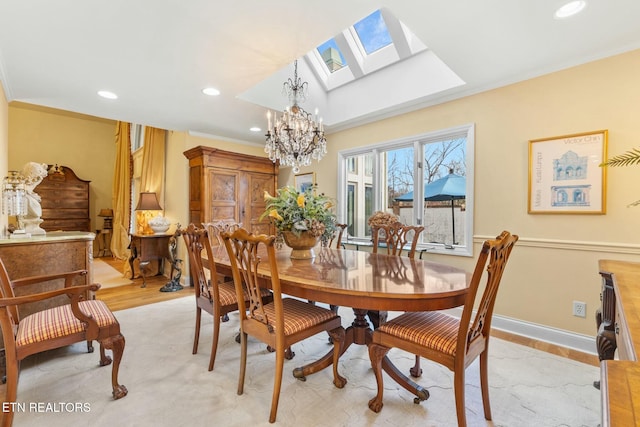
x=67, y=224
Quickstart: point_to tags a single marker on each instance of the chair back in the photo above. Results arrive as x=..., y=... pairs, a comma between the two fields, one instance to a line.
x=9, y=314
x=201, y=261
x=496, y=252
x=245, y=251
x=395, y=237
x=337, y=236
x=216, y=228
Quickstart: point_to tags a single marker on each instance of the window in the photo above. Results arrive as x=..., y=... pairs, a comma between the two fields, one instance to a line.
x=372, y=33
x=406, y=177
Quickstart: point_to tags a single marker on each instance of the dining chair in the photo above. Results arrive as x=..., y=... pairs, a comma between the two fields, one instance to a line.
x=279, y=323
x=82, y=319
x=216, y=297
x=445, y=339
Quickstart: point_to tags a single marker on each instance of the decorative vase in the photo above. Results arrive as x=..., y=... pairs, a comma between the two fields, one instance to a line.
x=301, y=245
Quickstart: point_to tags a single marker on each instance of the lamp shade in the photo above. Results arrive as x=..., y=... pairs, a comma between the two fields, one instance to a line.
x=148, y=202
x=106, y=213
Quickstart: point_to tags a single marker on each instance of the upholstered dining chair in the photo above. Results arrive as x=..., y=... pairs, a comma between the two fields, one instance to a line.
x=80, y=320
x=216, y=297
x=280, y=323
x=445, y=339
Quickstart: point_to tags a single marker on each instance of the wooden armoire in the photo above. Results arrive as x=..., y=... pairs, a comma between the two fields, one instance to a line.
x=226, y=186
x=64, y=200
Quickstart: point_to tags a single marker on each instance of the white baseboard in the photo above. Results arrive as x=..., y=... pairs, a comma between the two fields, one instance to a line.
x=559, y=337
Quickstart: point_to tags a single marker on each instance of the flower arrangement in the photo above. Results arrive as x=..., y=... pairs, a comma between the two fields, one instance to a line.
x=295, y=211
x=380, y=218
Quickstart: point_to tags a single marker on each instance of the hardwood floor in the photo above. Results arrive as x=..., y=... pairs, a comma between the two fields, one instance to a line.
x=129, y=296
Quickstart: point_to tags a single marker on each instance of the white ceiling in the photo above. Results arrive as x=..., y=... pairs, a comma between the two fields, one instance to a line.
x=157, y=55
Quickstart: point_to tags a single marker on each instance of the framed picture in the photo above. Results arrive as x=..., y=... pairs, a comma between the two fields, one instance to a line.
x=565, y=176
x=304, y=181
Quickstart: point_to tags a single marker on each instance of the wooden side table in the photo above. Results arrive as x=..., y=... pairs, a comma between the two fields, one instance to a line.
x=147, y=247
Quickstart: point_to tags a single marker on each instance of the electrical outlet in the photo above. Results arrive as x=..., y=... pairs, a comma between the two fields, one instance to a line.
x=580, y=309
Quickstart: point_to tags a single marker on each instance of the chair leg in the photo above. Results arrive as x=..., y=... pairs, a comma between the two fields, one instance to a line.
x=10, y=393
x=458, y=387
x=376, y=354
x=214, y=341
x=196, y=338
x=377, y=318
x=243, y=361
x=416, y=370
x=337, y=338
x=484, y=383
x=277, y=385
x=116, y=345
x=89, y=346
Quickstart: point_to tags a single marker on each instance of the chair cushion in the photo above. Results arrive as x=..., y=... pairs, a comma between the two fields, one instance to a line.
x=59, y=321
x=299, y=315
x=227, y=292
x=431, y=329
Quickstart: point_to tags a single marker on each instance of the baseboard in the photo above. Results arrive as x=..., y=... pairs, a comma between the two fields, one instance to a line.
x=579, y=342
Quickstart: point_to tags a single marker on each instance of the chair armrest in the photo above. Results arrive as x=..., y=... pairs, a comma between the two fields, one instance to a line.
x=71, y=291
x=68, y=277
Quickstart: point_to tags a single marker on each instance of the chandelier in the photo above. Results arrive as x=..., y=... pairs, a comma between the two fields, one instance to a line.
x=296, y=137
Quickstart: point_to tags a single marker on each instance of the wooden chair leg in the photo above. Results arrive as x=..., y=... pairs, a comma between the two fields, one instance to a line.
x=416, y=370
x=89, y=346
x=243, y=361
x=337, y=338
x=214, y=341
x=196, y=338
x=277, y=385
x=484, y=383
x=10, y=393
x=116, y=345
x=458, y=387
x=376, y=354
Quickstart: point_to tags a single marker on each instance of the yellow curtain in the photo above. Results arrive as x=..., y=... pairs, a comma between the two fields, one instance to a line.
x=152, y=169
x=121, y=196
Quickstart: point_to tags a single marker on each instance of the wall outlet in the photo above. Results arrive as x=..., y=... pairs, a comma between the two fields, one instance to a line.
x=580, y=309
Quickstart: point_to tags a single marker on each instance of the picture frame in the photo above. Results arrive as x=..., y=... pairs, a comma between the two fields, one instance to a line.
x=565, y=176
x=304, y=180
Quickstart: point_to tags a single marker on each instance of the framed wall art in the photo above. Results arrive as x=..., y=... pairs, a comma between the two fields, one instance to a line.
x=304, y=180
x=565, y=176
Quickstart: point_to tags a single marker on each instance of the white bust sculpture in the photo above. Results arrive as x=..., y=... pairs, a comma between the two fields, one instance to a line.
x=33, y=174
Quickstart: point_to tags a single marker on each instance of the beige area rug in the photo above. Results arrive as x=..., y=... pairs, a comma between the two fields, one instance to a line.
x=168, y=386
x=108, y=276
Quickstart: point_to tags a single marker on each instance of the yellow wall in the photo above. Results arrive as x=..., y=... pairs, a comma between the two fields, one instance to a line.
x=555, y=261
x=84, y=143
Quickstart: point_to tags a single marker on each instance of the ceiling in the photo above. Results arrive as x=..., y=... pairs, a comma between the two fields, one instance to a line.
x=158, y=55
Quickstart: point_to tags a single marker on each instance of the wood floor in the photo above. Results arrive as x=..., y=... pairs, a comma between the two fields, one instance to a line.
x=129, y=296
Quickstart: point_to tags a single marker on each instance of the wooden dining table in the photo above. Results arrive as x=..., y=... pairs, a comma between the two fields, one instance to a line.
x=364, y=281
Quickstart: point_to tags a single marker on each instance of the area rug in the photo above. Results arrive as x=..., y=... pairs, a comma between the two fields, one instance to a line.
x=108, y=276
x=169, y=386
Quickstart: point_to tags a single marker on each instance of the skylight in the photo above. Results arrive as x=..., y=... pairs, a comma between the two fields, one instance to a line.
x=371, y=44
x=372, y=32
x=331, y=55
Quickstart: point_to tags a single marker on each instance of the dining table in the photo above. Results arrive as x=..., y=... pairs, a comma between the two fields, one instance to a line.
x=363, y=281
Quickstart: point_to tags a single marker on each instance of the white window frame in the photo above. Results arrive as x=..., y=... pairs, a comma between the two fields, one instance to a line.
x=467, y=131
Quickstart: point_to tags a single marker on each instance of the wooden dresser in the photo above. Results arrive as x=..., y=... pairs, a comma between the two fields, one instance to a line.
x=226, y=186
x=620, y=377
x=65, y=201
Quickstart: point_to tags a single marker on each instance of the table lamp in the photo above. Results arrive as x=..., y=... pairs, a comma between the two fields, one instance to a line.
x=146, y=203
x=107, y=214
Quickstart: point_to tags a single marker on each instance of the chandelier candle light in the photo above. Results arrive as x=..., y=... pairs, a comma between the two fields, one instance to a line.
x=296, y=137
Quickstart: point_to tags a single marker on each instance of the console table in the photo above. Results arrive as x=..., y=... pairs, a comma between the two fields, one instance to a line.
x=147, y=247
x=620, y=377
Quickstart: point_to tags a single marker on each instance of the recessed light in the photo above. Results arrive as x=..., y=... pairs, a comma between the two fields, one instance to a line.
x=255, y=129
x=107, y=94
x=211, y=91
x=570, y=9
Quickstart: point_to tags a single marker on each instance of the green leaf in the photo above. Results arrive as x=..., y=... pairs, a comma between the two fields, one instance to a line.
x=629, y=158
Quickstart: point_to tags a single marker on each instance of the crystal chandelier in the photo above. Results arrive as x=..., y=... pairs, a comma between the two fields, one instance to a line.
x=296, y=137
